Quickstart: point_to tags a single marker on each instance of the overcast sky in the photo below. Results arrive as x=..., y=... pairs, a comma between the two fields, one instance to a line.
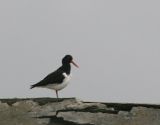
x=115, y=42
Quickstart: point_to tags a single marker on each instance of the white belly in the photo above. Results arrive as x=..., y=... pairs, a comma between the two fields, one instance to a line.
x=60, y=86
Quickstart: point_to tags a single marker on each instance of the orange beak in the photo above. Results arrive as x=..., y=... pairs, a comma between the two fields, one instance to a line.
x=74, y=64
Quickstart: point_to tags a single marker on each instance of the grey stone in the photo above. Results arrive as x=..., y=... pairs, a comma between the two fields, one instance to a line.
x=47, y=111
x=3, y=106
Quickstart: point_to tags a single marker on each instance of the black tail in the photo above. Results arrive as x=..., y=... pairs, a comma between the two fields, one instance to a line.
x=32, y=86
x=35, y=85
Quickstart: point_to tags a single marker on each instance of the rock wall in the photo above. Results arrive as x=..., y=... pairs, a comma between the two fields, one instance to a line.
x=47, y=111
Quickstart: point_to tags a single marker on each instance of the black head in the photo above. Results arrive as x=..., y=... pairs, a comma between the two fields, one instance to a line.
x=67, y=60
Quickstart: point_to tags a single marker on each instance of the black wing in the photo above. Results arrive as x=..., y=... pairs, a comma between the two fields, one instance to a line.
x=54, y=77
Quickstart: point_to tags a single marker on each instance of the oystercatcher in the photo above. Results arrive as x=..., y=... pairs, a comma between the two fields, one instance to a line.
x=58, y=79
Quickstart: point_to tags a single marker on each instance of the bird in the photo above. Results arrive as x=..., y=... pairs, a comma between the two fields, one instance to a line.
x=58, y=79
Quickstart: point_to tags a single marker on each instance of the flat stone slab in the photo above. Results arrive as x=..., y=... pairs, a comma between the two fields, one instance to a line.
x=70, y=111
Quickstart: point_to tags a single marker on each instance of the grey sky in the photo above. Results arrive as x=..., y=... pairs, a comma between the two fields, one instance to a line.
x=116, y=44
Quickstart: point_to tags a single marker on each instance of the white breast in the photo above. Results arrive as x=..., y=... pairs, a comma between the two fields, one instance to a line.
x=59, y=86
